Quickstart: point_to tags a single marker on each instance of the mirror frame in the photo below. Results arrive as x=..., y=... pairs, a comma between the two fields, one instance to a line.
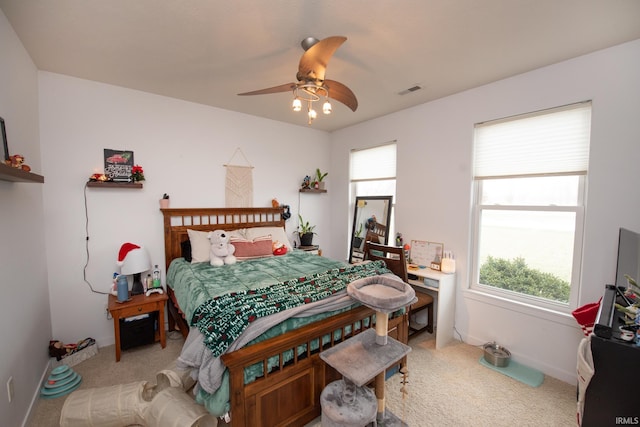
x=387, y=215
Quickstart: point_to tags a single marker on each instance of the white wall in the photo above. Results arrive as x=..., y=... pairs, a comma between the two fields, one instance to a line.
x=25, y=321
x=182, y=147
x=435, y=142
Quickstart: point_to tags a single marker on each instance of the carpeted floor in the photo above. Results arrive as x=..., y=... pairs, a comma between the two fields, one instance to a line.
x=448, y=387
x=137, y=364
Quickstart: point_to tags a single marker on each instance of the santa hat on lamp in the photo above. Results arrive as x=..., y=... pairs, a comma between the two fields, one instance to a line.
x=124, y=251
x=133, y=259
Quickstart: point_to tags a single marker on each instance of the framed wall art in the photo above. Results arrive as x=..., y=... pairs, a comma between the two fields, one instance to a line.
x=118, y=165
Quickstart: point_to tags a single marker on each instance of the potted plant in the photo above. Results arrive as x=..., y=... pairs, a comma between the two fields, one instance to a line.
x=305, y=231
x=357, y=238
x=319, y=179
x=164, y=202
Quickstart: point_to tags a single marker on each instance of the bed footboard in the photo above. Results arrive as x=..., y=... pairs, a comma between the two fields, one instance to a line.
x=289, y=395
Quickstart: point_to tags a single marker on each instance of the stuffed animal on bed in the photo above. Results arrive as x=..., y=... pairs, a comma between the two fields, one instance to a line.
x=221, y=250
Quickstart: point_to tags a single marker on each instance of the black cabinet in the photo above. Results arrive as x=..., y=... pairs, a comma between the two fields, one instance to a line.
x=611, y=397
x=135, y=331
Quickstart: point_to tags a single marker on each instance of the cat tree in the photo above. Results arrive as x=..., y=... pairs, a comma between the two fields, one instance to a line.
x=363, y=357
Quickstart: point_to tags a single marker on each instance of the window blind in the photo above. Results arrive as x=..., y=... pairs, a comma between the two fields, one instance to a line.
x=374, y=163
x=552, y=141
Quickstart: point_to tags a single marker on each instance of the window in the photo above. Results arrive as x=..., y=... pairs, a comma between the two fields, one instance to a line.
x=530, y=181
x=373, y=173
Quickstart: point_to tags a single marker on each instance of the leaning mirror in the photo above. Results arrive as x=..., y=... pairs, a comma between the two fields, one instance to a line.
x=371, y=222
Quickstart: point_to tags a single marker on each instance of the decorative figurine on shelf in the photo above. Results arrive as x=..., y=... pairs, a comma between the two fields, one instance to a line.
x=98, y=177
x=137, y=174
x=17, y=161
x=306, y=183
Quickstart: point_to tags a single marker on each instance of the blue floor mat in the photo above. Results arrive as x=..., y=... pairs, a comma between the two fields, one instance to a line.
x=518, y=372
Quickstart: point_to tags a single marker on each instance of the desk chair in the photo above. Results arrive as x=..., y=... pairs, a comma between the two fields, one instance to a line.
x=394, y=257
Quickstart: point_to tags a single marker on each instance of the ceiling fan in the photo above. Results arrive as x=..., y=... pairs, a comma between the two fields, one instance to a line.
x=311, y=85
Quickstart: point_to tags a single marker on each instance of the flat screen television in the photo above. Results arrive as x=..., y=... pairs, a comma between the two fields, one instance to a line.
x=628, y=257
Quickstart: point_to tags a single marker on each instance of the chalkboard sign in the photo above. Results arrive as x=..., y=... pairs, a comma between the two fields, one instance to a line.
x=118, y=165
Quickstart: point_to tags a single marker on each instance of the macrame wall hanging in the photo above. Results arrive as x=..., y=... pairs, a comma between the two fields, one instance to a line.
x=239, y=183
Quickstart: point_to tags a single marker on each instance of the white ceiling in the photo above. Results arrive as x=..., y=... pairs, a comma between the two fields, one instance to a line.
x=208, y=51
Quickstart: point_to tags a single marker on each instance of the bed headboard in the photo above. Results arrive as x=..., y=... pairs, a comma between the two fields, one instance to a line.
x=177, y=221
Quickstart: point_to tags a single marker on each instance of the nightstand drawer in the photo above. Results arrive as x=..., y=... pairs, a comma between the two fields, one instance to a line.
x=135, y=310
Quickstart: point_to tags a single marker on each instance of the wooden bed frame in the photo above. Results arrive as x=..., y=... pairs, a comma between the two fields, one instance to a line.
x=290, y=394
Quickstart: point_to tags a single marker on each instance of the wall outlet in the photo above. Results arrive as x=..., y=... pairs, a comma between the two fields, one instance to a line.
x=10, y=389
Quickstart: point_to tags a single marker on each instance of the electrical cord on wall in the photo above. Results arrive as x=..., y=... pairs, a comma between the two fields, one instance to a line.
x=86, y=230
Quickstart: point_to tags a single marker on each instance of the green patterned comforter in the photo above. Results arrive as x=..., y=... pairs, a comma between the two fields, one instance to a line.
x=195, y=284
x=222, y=301
x=212, y=297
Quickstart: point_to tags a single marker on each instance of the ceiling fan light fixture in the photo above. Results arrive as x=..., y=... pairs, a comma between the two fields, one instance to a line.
x=326, y=107
x=297, y=104
x=311, y=85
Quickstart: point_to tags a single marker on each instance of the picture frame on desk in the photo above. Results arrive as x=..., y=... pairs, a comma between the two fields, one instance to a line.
x=428, y=254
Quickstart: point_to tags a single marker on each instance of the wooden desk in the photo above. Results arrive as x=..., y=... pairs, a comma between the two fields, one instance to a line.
x=138, y=304
x=444, y=296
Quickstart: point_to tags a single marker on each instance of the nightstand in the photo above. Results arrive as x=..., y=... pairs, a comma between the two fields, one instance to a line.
x=314, y=249
x=137, y=305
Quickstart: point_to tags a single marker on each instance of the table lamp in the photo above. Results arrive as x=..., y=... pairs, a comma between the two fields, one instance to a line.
x=134, y=260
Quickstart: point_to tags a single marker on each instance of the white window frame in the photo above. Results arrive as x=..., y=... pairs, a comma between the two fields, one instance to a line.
x=578, y=209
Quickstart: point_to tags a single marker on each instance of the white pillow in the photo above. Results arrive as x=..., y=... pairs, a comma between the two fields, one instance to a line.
x=201, y=245
x=277, y=234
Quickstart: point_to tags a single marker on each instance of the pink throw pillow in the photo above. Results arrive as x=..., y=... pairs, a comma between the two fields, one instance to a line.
x=259, y=247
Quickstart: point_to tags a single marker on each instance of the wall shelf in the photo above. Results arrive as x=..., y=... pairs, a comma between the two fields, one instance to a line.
x=312, y=190
x=8, y=173
x=111, y=184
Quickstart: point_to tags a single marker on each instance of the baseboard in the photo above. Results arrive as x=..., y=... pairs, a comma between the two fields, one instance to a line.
x=36, y=395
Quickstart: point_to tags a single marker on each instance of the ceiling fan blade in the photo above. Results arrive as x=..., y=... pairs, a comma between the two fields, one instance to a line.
x=276, y=89
x=314, y=61
x=341, y=93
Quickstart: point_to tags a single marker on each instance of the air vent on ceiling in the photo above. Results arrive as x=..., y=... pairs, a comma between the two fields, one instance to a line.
x=409, y=90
